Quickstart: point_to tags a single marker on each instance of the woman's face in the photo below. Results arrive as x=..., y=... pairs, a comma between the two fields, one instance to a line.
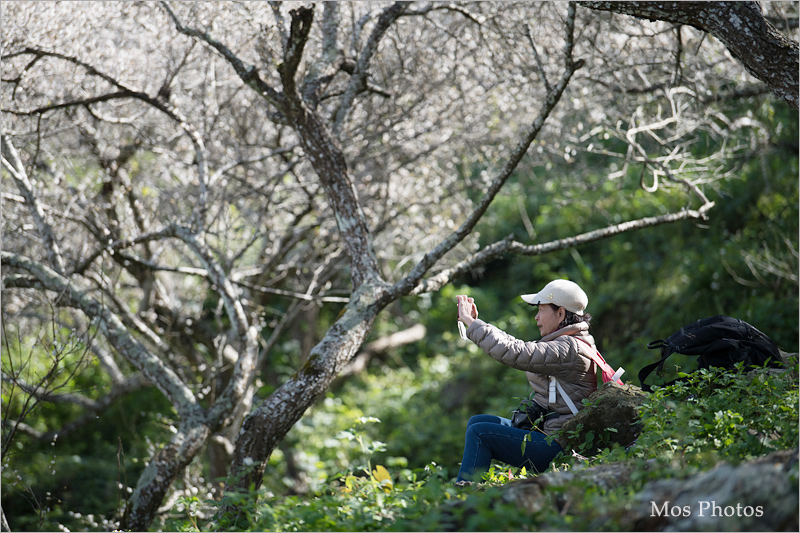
x=548, y=318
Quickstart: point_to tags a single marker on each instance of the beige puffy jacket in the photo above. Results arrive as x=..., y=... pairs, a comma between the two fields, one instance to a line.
x=560, y=355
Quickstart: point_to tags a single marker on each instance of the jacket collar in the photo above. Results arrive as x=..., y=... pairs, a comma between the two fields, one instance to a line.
x=580, y=329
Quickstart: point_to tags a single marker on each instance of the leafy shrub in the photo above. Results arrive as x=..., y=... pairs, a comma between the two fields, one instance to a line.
x=737, y=415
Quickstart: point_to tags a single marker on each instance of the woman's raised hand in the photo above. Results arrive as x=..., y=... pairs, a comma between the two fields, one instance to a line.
x=467, y=310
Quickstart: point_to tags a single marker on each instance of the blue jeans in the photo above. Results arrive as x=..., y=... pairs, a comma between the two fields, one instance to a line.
x=492, y=437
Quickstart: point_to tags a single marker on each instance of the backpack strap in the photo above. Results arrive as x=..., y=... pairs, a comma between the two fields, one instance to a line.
x=647, y=370
x=608, y=375
x=608, y=370
x=554, y=384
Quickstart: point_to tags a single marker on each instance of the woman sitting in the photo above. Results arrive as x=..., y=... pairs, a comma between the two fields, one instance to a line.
x=559, y=369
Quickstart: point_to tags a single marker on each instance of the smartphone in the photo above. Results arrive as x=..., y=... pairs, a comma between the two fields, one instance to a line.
x=462, y=330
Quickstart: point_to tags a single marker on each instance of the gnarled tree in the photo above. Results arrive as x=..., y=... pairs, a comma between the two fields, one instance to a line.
x=187, y=179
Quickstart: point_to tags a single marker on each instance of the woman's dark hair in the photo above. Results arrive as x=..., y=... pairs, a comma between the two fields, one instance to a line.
x=571, y=318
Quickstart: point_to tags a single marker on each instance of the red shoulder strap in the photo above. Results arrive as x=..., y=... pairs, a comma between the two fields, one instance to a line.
x=608, y=371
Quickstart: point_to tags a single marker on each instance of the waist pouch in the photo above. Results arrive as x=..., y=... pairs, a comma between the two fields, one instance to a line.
x=530, y=415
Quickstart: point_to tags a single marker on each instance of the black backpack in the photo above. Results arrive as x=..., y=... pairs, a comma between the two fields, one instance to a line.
x=719, y=341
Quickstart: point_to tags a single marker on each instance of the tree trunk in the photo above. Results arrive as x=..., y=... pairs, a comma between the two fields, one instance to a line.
x=267, y=425
x=162, y=470
x=269, y=422
x=764, y=51
x=326, y=157
x=196, y=422
x=319, y=132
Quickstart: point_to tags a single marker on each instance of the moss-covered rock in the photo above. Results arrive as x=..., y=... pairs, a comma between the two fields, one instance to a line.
x=610, y=416
x=758, y=495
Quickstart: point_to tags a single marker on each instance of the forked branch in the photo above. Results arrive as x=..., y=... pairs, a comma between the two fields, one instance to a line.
x=409, y=284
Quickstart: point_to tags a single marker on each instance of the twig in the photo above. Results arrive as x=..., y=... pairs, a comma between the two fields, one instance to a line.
x=538, y=59
x=12, y=163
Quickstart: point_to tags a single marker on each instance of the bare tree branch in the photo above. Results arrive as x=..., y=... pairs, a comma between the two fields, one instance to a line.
x=408, y=284
x=358, y=81
x=13, y=164
x=538, y=59
x=91, y=407
x=766, y=53
x=120, y=245
x=400, y=338
x=160, y=104
x=248, y=73
x=150, y=365
x=244, y=369
x=508, y=245
x=281, y=239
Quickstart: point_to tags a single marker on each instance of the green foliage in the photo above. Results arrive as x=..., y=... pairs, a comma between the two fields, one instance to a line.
x=643, y=285
x=371, y=498
x=499, y=475
x=687, y=427
x=733, y=415
x=592, y=441
x=391, y=469
x=77, y=479
x=710, y=416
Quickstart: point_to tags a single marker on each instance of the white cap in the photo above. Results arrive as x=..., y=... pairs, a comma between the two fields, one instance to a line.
x=563, y=293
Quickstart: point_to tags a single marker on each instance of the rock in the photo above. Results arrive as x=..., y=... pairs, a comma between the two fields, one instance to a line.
x=758, y=495
x=611, y=417
x=557, y=488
